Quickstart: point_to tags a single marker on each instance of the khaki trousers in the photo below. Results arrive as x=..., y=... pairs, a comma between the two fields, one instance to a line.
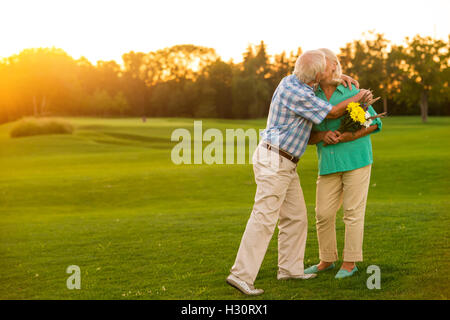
x=279, y=196
x=349, y=189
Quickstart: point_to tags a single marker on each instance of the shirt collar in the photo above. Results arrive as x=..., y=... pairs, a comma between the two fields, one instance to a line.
x=319, y=89
x=302, y=83
x=308, y=86
x=340, y=88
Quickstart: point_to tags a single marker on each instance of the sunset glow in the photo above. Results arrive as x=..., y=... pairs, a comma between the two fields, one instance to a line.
x=104, y=30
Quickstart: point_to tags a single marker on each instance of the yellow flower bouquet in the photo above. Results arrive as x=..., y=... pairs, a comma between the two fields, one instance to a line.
x=357, y=115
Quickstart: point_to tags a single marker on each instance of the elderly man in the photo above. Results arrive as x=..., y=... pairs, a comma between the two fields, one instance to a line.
x=293, y=111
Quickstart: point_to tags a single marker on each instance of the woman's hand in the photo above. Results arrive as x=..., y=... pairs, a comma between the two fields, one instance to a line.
x=330, y=137
x=350, y=136
x=345, y=136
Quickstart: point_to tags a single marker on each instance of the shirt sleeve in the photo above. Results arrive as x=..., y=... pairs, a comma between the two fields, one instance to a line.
x=375, y=121
x=308, y=106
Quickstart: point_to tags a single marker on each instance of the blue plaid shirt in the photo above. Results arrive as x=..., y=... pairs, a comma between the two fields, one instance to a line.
x=293, y=110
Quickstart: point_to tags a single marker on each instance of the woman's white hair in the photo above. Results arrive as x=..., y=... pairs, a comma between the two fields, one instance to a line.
x=309, y=64
x=333, y=57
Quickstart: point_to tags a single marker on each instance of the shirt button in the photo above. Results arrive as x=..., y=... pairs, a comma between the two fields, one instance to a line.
x=332, y=152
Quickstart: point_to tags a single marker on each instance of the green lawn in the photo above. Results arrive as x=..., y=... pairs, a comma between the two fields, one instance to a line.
x=109, y=200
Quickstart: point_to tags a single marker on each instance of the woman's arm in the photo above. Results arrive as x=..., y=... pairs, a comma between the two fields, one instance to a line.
x=329, y=137
x=350, y=136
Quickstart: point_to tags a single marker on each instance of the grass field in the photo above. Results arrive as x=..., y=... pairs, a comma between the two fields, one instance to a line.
x=108, y=199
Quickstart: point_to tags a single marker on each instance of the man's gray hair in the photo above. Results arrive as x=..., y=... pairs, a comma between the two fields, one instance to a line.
x=309, y=64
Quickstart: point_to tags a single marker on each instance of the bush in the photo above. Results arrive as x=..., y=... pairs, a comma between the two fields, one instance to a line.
x=40, y=126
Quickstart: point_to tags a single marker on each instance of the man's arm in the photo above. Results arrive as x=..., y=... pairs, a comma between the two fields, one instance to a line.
x=339, y=109
x=316, y=137
x=329, y=137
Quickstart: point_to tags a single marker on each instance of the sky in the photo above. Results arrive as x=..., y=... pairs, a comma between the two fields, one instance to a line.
x=104, y=30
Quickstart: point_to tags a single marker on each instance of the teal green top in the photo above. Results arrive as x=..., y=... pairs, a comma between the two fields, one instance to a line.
x=343, y=156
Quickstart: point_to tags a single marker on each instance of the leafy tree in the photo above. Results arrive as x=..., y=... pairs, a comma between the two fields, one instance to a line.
x=179, y=62
x=39, y=81
x=251, y=84
x=369, y=60
x=134, y=78
x=217, y=80
x=108, y=76
x=192, y=81
x=424, y=64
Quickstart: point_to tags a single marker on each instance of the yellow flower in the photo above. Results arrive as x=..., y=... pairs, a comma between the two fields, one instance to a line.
x=356, y=112
x=352, y=105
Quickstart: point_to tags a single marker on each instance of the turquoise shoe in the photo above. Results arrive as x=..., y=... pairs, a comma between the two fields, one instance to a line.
x=344, y=273
x=314, y=269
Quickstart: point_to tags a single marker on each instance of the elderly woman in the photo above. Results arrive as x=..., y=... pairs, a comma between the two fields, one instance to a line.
x=344, y=173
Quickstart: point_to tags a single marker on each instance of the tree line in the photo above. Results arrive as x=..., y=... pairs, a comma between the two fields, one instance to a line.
x=193, y=81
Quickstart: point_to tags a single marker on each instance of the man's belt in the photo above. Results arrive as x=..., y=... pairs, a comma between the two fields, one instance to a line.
x=281, y=152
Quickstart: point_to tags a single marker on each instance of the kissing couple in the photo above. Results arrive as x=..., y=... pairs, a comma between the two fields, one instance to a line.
x=307, y=108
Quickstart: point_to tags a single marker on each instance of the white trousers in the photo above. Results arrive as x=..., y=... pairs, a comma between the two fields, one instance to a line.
x=279, y=197
x=348, y=189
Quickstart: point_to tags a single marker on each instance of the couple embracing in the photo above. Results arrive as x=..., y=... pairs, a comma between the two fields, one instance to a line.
x=306, y=109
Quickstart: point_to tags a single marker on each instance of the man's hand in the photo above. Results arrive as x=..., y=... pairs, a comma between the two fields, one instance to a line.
x=348, y=81
x=364, y=95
